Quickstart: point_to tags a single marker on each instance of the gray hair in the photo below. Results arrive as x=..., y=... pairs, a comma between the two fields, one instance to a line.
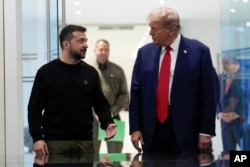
x=167, y=16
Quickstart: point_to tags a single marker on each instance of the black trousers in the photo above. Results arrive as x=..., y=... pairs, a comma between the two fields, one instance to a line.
x=164, y=140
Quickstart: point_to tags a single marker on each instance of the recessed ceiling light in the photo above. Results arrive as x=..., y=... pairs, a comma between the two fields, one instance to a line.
x=245, y=1
x=161, y=1
x=232, y=10
x=77, y=3
x=248, y=23
x=78, y=12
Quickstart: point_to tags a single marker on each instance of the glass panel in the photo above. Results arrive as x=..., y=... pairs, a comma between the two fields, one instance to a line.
x=53, y=28
x=2, y=114
x=39, y=36
x=235, y=46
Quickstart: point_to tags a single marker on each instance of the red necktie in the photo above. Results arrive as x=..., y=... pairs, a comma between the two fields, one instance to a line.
x=228, y=84
x=163, y=87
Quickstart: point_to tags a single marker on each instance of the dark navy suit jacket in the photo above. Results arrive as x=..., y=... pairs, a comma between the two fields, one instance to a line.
x=193, y=94
x=235, y=92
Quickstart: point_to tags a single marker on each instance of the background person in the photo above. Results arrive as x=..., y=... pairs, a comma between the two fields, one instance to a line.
x=114, y=86
x=231, y=108
x=189, y=124
x=63, y=94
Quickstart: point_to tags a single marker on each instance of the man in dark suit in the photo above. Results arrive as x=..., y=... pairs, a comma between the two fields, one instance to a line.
x=190, y=122
x=232, y=105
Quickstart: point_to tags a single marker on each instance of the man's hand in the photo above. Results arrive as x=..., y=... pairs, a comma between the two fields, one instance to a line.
x=136, y=162
x=110, y=131
x=41, y=159
x=136, y=137
x=229, y=116
x=41, y=148
x=205, y=142
x=205, y=159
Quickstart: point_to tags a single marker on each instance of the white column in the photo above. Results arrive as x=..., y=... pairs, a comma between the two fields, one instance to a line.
x=13, y=82
x=2, y=130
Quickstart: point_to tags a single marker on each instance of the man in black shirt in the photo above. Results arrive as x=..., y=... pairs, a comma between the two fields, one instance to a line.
x=64, y=92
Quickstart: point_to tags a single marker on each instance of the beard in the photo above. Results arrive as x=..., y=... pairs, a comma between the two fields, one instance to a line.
x=76, y=54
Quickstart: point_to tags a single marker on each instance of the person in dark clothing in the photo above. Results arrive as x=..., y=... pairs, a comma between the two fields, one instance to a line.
x=173, y=94
x=64, y=92
x=232, y=107
x=114, y=86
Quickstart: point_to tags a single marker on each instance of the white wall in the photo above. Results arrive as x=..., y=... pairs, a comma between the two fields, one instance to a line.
x=208, y=32
x=123, y=45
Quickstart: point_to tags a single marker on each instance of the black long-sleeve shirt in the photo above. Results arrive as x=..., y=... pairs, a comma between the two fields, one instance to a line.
x=61, y=101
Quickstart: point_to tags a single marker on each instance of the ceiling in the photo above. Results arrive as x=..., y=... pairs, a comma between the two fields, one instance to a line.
x=103, y=12
x=135, y=11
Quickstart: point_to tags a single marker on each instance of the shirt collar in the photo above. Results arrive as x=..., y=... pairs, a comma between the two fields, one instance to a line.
x=175, y=44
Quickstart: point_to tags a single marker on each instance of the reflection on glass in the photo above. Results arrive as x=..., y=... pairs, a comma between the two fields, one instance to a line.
x=181, y=160
x=64, y=160
x=235, y=34
x=232, y=108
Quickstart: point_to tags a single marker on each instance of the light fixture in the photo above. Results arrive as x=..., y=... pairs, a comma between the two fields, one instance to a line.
x=232, y=10
x=78, y=12
x=77, y=3
x=161, y=1
x=248, y=23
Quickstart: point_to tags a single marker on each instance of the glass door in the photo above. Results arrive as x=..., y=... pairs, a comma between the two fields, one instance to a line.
x=39, y=46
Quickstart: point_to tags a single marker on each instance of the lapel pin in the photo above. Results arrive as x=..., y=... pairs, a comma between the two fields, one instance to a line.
x=185, y=51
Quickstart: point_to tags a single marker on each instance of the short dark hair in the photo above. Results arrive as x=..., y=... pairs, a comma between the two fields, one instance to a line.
x=66, y=32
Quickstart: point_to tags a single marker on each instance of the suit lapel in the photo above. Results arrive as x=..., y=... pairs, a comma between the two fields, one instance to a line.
x=156, y=55
x=181, y=62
